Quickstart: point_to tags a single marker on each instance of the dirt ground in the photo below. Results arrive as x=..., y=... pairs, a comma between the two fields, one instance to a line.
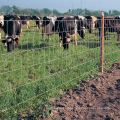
x=98, y=99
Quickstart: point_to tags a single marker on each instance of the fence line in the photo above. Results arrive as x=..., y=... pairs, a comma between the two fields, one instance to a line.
x=32, y=71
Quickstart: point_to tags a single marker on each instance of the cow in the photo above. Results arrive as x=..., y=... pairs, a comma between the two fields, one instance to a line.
x=47, y=25
x=57, y=22
x=25, y=21
x=91, y=21
x=38, y=22
x=111, y=24
x=117, y=26
x=69, y=27
x=1, y=23
x=12, y=28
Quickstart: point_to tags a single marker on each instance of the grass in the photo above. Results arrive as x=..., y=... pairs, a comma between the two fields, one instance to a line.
x=39, y=70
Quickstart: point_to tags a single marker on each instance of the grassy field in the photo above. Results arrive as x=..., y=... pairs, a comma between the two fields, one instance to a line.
x=39, y=70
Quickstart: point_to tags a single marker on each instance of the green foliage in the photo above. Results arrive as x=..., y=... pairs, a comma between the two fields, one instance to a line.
x=55, y=12
x=6, y=9
x=46, y=11
x=16, y=10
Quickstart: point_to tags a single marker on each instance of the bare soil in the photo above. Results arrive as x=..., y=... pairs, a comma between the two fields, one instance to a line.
x=98, y=99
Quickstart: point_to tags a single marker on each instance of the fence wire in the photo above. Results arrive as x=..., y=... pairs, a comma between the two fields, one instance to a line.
x=41, y=69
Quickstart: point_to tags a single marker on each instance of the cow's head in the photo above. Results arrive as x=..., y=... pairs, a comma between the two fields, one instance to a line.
x=10, y=43
x=66, y=40
x=90, y=25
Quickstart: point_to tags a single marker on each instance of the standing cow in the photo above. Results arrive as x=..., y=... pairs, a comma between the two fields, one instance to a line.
x=12, y=28
x=26, y=21
x=47, y=25
x=69, y=27
x=91, y=21
x=38, y=22
x=111, y=24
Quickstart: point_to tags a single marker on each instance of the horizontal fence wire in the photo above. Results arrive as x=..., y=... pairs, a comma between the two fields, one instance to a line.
x=40, y=67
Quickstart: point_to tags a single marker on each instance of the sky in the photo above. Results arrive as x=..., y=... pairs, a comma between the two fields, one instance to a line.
x=64, y=5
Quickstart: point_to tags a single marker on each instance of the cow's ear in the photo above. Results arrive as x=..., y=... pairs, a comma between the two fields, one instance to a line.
x=3, y=41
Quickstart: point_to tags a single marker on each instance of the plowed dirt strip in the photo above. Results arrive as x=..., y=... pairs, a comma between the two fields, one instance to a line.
x=98, y=99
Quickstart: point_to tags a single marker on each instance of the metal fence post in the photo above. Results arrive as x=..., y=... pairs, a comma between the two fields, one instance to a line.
x=102, y=43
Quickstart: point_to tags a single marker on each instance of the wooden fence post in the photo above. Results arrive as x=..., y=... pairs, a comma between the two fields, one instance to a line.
x=102, y=43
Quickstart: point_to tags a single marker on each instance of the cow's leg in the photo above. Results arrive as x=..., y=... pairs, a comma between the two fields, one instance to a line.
x=21, y=30
x=27, y=28
x=65, y=43
x=43, y=33
x=118, y=32
x=43, y=36
x=49, y=37
x=118, y=37
x=28, y=25
x=60, y=37
x=39, y=25
x=5, y=44
x=5, y=39
x=60, y=43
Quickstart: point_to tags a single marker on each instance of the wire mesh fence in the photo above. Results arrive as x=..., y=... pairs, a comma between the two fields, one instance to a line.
x=39, y=68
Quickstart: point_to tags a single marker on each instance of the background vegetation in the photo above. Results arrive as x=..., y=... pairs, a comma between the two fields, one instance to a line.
x=16, y=10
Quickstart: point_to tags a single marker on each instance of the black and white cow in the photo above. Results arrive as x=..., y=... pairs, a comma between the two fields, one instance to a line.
x=12, y=28
x=69, y=27
x=57, y=22
x=47, y=25
x=91, y=21
x=38, y=22
x=26, y=21
x=1, y=23
x=111, y=24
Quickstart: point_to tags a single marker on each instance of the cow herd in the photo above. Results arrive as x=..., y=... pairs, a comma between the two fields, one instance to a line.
x=67, y=27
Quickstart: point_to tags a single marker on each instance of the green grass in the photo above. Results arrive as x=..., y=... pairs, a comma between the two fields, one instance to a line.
x=39, y=70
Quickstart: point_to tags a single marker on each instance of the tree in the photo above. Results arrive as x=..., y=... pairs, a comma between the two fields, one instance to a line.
x=110, y=12
x=55, y=12
x=87, y=12
x=16, y=10
x=115, y=12
x=6, y=9
x=46, y=11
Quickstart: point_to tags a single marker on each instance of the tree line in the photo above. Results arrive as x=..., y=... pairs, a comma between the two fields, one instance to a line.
x=40, y=12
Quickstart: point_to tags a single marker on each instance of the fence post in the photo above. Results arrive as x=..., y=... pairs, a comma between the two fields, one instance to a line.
x=102, y=43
